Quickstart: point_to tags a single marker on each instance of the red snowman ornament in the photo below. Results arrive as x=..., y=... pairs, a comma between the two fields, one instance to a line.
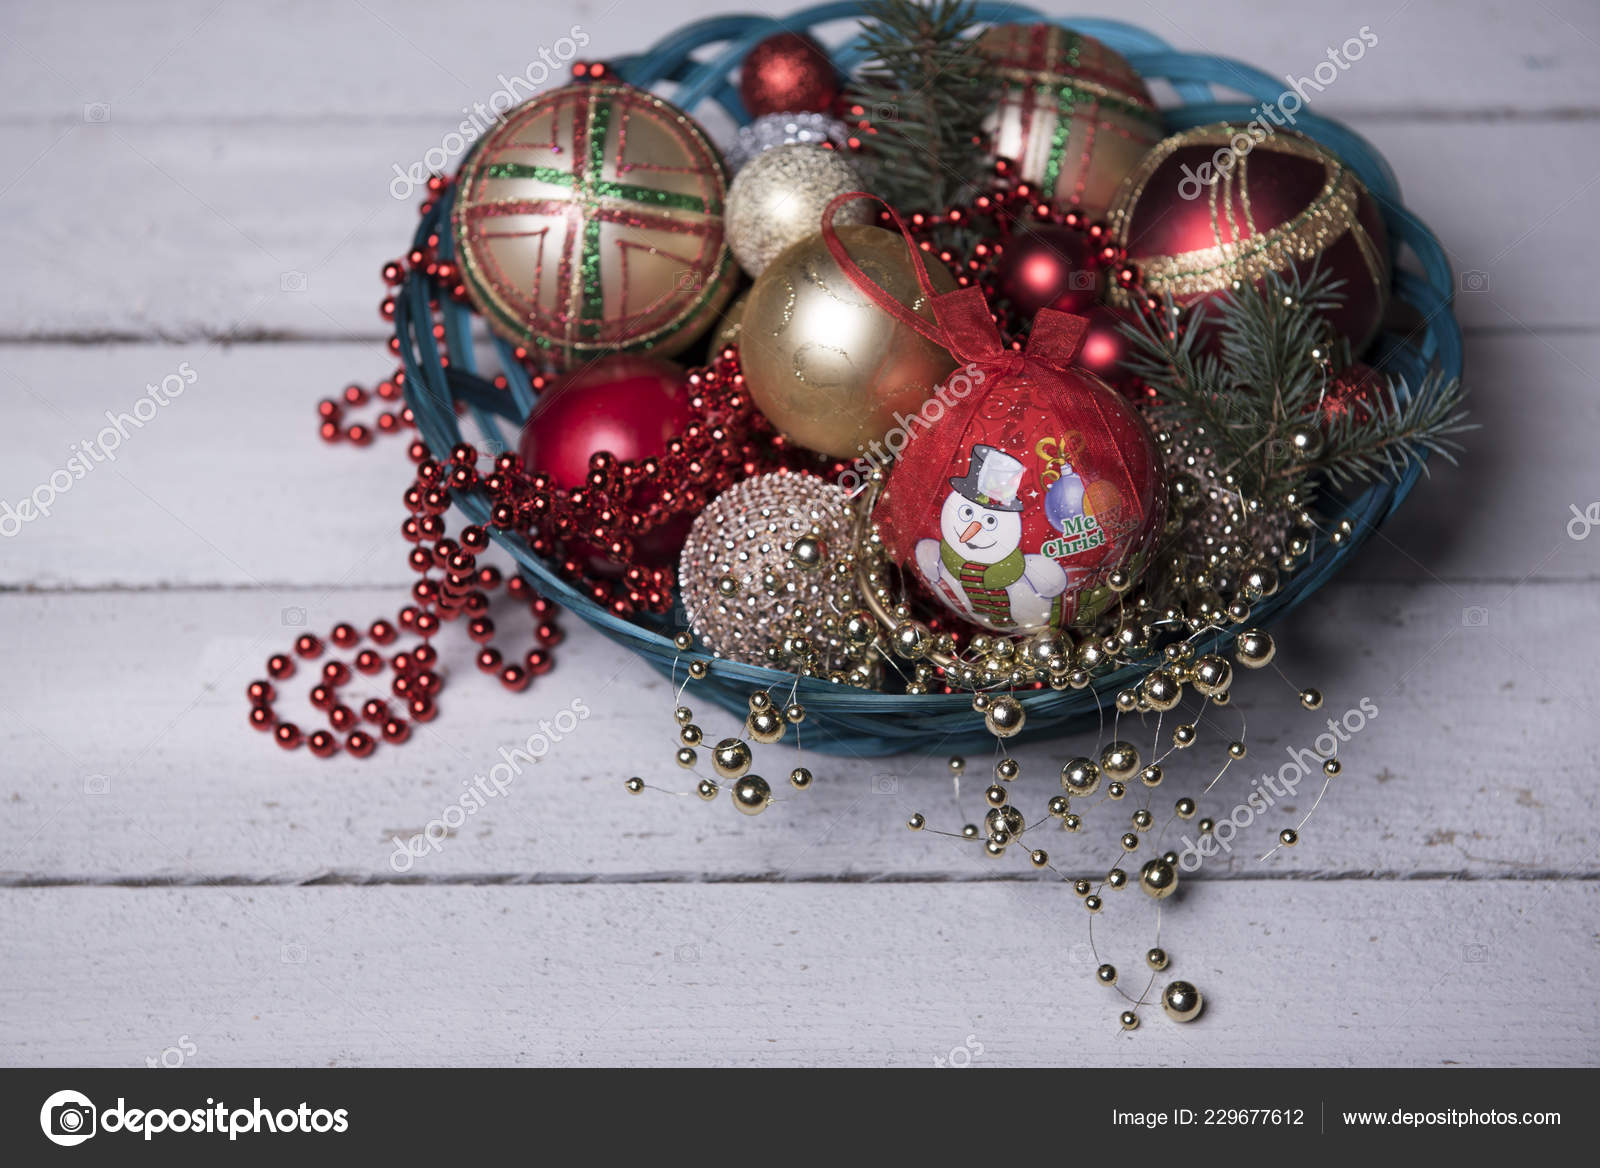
x=1020, y=499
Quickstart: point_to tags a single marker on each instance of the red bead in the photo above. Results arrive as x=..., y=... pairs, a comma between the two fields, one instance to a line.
x=427, y=624
x=345, y=635
x=341, y=718
x=539, y=662
x=336, y=673
x=360, y=743
x=429, y=682
x=489, y=660
x=423, y=710
x=261, y=692
x=280, y=666
x=262, y=718
x=481, y=629
x=322, y=697
x=515, y=678
x=396, y=731
x=369, y=661
x=359, y=434
x=425, y=655
x=550, y=635
x=323, y=744
x=382, y=632
x=375, y=710
x=308, y=646
x=287, y=735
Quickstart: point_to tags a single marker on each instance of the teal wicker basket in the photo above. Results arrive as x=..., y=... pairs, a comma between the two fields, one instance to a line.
x=695, y=68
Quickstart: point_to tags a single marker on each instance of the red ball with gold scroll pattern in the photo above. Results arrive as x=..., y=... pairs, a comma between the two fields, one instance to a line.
x=1024, y=481
x=1073, y=115
x=589, y=221
x=1220, y=203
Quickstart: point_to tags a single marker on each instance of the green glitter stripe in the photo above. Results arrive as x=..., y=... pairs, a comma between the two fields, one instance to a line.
x=1065, y=104
x=638, y=194
x=594, y=301
x=548, y=174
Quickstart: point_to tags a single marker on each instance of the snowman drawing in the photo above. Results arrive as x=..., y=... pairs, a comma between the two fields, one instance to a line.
x=977, y=562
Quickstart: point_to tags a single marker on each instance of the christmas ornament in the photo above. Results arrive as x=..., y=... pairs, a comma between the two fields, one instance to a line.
x=1048, y=267
x=1031, y=497
x=590, y=221
x=778, y=200
x=1106, y=349
x=825, y=362
x=628, y=406
x=755, y=568
x=1073, y=116
x=1214, y=207
x=787, y=72
x=773, y=130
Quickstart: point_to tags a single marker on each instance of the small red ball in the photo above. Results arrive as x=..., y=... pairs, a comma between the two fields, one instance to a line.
x=323, y=744
x=280, y=666
x=489, y=660
x=262, y=692
x=1048, y=267
x=423, y=710
x=396, y=731
x=360, y=743
x=787, y=73
x=308, y=646
x=515, y=678
x=382, y=632
x=341, y=718
x=345, y=635
x=287, y=735
x=262, y=718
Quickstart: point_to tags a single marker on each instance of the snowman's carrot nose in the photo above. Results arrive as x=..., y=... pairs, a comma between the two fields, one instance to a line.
x=972, y=530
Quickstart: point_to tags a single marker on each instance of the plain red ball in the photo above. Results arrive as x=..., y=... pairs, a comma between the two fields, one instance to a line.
x=787, y=73
x=1048, y=267
x=1105, y=350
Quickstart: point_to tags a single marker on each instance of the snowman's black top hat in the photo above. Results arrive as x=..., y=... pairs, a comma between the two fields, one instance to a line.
x=967, y=486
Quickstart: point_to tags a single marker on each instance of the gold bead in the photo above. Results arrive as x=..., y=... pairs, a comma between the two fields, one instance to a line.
x=808, y=553
x=686, y=757
x=1237, y=749
x=1039, y=858
x=1206, y=826
x=911, y=640
x=1183, y=735
x=995, y=795
x=1080, y=777
x=760, y=700
x=1129, y=841
x=690, y=735
x=1071, y=822
x=706, y=789
x=800, y=778
x=1288, y=837
x=1212, y=674
x=916, y=822
x=1254, y=649
x=1305, y=441
x=1311, y=699
x=697, y=669
x=1004, y=717
x=957, y=764
x=1058, y=806
x=1151, y=775
x=860, y=628
x=1161, y=689
x=1116, y=791
x=970, y=830
x=1222, y=698
x=635, y=785
x=684, y=641
x=1158, y=879
x=1185, y=808
x=1106, y=975
x=1156, y=959
x=1142, y=819
x=1082, y=887
x=751, y=794
x=766, y=726
x=794, y=713
x=1128, y=1020
x=994, y=849
x=1117, y=878
x=1005, y=819
x=1093, y=903
x=1127, y=701
x=1182, y=1001
x=1170, y=859
x=1331, y=767
x=980, y=702
x=1007, y=769
x=1120, y=760
x=727, y=585
x=684, y=715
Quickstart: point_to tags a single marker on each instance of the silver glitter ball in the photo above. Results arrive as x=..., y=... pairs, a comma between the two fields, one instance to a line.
x=783, y=130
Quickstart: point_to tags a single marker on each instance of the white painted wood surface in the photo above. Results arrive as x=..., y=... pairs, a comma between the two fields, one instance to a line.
x=168, y=873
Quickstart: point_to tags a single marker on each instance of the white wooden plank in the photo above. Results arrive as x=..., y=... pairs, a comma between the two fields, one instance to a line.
x=228, y=485
x=268, y=230
x=122, y=720
x=309, y=61
x=1349, y=973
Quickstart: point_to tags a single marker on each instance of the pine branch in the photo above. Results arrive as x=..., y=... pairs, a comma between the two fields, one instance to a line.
x=926, y=90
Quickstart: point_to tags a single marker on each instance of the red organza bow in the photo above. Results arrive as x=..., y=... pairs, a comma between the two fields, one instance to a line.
x=962, y=323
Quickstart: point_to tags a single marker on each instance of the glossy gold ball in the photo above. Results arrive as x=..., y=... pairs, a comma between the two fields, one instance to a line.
x=1212, y=674
x=1186, y=808
x=730, y=758
x=911, y=640
x=1182, y=1001
x=1156, y=959
x=778, y=197
x=1004, y=717
x=1158, y=879
x=1128, y=1020
x=706, y=789
x=635, y=785
x=1080, y=777
x=1151, y=775
x=1129, y=841
x=697, y=669
x=1311, y=699
x=1039, y=858
x=1071, y=822
x=1142, y=820
x=686, y=757
x=916, y=822
x=1106, y=975
x=1207, y=826
x=1305, y=441
x=794, y=713
x=1237, y=750
x=1254, y=649
x=766, y=726
x=1007, y=769
x=996, y=796
x=824, y=363
x=1288, y=837
x=994, y=849
x=1184, y=735
x=684, y=715
x=800, y=778
x=760, y=700
x=690, y=735
x=1117, y=878
x=684, y=641
x=1093, y=903
x=1116, y=790
x=1332, y=767
x=1059, y=806
x=1120, y=760
x=1005, y=819
x=751, y=794
x=957, y=764
x=1161, y=689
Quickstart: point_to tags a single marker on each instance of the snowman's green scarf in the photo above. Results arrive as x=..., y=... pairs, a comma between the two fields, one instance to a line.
x=995, y=576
